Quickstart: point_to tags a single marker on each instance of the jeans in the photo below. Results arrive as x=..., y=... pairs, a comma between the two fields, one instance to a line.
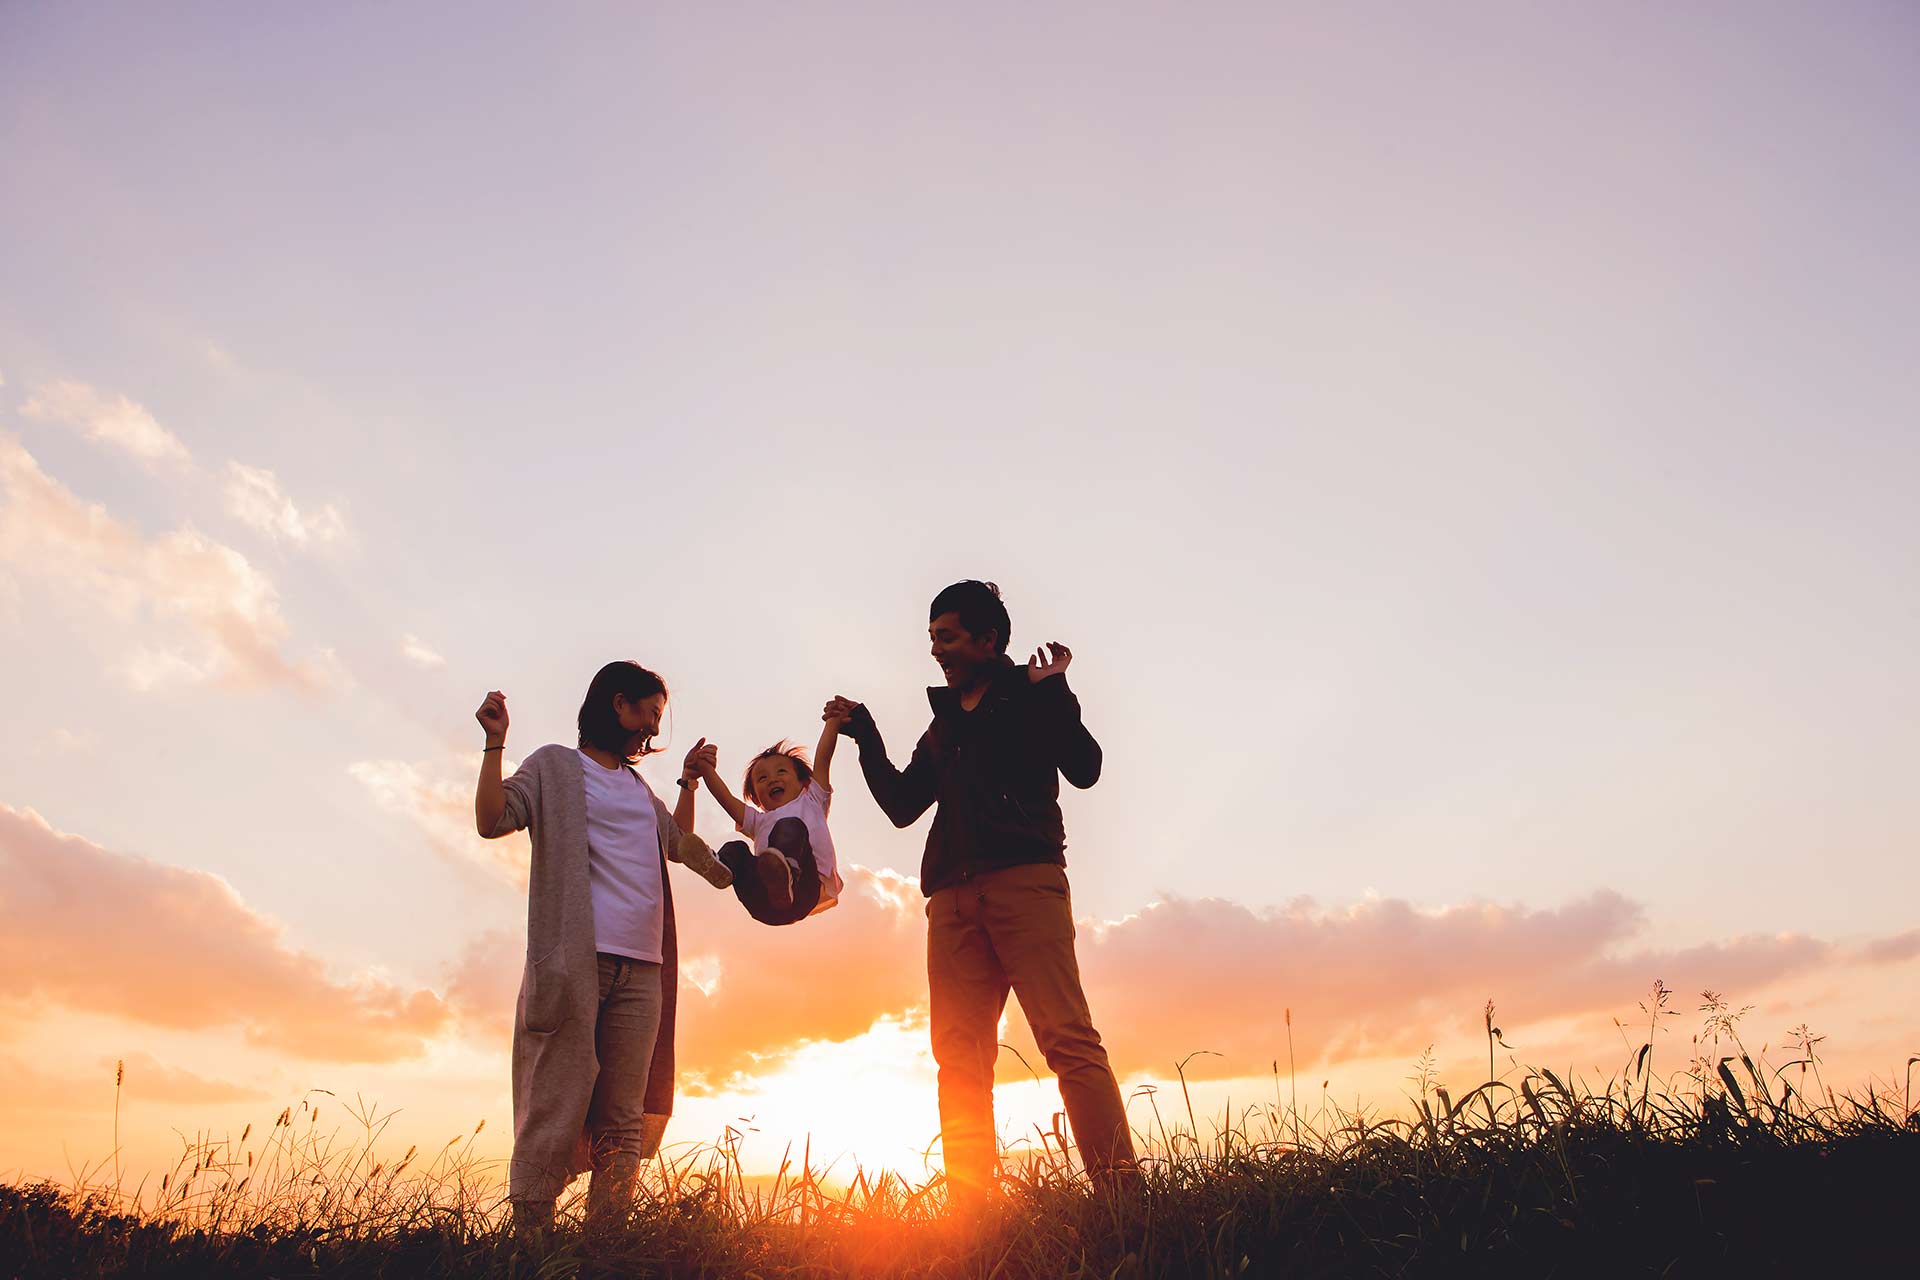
x=624, y=1032
x=1012, y=929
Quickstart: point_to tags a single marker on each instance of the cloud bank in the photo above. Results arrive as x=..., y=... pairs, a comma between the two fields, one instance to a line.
x=1181, y=975
x=103, y=932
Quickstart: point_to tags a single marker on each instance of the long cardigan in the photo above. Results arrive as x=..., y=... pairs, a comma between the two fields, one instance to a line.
x=554, y=1065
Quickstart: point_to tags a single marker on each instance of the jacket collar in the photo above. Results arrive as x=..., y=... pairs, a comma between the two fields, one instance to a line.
x=945, y=701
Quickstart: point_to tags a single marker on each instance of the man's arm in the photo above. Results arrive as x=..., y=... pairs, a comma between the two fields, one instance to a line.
x=1074, y=751
x=902, y=794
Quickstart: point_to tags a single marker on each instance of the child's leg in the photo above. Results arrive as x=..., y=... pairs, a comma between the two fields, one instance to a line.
x=737, y=857
x=750, y=881
x=776, y=878
x=789, y=836
x=692, y=852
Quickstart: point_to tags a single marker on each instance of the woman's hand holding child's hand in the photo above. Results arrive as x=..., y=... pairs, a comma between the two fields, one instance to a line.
x=704, y=759
x=690, y=766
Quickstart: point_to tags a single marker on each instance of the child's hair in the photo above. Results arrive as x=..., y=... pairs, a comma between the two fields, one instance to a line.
x=785, y=747
x=979, y=606
x=599, y=724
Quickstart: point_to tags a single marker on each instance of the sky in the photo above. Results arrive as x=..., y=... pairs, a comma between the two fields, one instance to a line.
x=1470, y=455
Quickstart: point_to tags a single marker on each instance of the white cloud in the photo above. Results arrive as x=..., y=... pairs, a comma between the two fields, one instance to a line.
x=437, y=799
x=413, y=650
x=200, y=610
x=254, y=498
x=113, y=420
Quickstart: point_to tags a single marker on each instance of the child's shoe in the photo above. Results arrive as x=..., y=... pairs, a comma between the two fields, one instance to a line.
x=776, y=878
x=691, y=851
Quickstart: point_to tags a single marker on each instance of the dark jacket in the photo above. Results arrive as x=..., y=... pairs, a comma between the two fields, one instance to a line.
x=994, y=771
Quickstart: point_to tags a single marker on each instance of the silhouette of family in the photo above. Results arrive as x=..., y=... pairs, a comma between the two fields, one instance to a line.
x=593, y=1029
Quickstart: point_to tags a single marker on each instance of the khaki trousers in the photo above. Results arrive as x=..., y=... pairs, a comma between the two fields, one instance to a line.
x=1012, y=929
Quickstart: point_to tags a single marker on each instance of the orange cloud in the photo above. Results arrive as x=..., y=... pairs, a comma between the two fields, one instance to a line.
x=148, y=1079
x=1895, y=950
x=211, y=615
x=1382, y=978
x=749, y=991
x=1183, y=975
x=827, y=978
x=1378, y=978
x=104, y=932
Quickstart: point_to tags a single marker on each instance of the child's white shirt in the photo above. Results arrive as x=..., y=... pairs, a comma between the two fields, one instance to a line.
x=810, y=806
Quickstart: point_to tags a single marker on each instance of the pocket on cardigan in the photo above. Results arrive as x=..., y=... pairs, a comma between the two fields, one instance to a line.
x=543, y=995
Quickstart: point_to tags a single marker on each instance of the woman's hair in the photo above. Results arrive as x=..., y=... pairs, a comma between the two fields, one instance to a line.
x=599, y=724
x=793, y=751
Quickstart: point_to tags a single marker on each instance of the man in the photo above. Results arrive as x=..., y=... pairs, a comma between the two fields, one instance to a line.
x=999, y=915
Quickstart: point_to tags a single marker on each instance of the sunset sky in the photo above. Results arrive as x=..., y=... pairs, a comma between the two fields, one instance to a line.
x=1470, y=451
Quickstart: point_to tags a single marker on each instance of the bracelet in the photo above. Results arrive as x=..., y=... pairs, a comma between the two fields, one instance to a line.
x=682, y=782
x=501, y=747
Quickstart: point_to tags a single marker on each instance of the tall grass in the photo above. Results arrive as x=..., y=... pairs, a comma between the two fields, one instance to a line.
x=1727, y=1164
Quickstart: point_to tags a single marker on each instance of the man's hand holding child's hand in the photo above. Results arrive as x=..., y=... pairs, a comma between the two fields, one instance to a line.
x=850, y=716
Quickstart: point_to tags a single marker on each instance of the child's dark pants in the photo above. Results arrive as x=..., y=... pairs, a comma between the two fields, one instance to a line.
x=789, y=836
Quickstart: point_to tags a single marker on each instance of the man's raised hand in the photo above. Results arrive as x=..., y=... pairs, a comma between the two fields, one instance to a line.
x=1050, y=659
x=838, y=710
x=492, y=715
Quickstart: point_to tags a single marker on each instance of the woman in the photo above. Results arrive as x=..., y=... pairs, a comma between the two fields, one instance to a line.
x=593, y=1030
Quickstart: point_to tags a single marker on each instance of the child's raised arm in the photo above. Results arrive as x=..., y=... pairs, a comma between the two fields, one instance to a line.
x=708, y=761
x=823, y=754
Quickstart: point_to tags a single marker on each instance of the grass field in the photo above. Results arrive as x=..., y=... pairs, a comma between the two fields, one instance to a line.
x=1730, y=1166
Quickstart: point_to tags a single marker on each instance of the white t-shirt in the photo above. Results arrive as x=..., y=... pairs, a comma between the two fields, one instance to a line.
x=623, y=863
x=810, y=806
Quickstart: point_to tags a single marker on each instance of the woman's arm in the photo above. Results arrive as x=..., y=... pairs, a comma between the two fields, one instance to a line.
x=689, y=783
x=489, y=797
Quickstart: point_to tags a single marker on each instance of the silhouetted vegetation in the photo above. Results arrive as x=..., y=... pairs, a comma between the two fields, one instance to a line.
x=1727, y=1167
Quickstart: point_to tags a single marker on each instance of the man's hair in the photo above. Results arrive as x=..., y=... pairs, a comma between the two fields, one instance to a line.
x=793, y=751
x=979, y=606
x=600, y=724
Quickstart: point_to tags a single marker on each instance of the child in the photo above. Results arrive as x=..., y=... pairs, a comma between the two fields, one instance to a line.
x=785, y=869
